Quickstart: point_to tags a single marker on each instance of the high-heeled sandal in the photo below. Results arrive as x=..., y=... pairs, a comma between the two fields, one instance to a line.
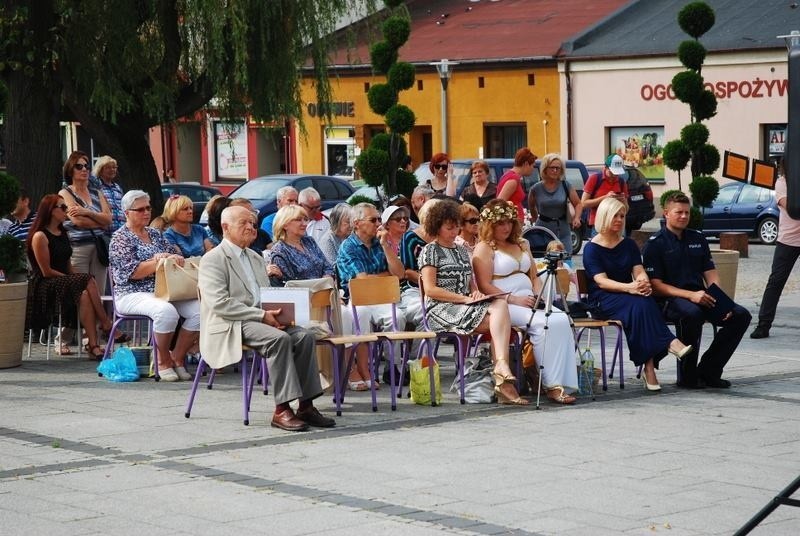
x=119, y=339
x=503, y=397
x=562, y=397
x=96, y=355
x=680, y=353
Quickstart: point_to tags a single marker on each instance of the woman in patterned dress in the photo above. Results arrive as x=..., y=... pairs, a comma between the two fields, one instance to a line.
x=450, y=295
x=55, y=286
x=135, y=251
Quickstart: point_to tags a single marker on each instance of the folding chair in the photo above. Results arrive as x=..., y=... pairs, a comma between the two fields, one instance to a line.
x=118, y=318
x=257, y=361
x=337, y=343
x=582, y=324
x=462, y=347
x=50, y=339
x=385, y=290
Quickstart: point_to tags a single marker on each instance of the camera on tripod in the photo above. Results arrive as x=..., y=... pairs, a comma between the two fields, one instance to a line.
x=553, y=258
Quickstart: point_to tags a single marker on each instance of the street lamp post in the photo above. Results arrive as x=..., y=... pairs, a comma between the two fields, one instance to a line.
x=791, y=159
x=444, y=68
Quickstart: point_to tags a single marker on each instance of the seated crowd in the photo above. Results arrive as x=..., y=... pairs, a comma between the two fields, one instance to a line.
x=476, y=268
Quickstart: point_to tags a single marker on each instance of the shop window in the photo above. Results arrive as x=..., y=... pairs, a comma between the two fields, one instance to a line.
x=340, y=151
x=531, y=79
x=419, y=85
x=480, y=82
x=366, y=87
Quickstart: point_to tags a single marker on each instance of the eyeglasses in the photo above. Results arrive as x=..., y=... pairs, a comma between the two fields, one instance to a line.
x=440, y=166
x=81, y=167
x=554, y=168
x=472, y=221
x=373, y=219
x=141, y=209
x=399, y=218
x=62, y=206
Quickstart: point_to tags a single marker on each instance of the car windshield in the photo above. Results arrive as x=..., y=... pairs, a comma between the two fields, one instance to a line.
x=260, y=189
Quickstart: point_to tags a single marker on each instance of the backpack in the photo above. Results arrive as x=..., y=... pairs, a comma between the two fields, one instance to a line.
x=640, y=200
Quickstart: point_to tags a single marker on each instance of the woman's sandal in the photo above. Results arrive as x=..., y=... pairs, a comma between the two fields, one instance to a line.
x=93, y=352
x=561, y=397
x=63, y=349
x=119, y=339
x=358, y=385
x=504, y=397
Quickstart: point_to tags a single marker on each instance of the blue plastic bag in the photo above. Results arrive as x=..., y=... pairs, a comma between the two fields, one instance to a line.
x=121, y=367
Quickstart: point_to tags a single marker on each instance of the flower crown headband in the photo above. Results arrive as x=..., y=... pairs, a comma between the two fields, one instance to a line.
x=497, y=213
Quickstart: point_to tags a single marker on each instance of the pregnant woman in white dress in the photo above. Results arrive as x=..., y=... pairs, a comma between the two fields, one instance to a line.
x=502, y=263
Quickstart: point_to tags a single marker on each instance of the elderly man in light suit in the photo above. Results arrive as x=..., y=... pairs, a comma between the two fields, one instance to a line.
x=230, y=315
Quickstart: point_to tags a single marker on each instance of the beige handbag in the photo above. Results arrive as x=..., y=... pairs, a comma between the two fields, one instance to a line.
x=177, y=283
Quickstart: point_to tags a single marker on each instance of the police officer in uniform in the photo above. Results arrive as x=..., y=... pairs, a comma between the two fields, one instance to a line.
x=678, y=261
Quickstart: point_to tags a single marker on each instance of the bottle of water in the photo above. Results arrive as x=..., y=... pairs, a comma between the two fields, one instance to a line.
x=586, y=373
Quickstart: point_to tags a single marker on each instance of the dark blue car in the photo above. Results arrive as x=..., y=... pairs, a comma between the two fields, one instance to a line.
x=744, y=208
x=262, y=191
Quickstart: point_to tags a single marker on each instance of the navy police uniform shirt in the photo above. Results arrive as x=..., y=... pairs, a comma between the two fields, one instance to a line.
x=680, y=262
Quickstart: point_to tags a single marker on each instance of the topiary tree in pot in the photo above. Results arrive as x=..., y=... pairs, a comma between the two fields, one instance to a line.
x=695, y=19
x=378, y=164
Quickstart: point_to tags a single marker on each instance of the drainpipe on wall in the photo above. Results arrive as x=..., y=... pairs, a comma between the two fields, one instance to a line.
x=568, y=85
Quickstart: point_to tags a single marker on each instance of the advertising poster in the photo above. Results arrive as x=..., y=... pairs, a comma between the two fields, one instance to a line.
x=640, y=147
x=231, y=146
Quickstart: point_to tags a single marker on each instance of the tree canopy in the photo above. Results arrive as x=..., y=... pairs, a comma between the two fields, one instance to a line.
x=121, y=67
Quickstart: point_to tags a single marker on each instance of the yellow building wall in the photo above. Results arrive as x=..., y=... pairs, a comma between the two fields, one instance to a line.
x=506, y=98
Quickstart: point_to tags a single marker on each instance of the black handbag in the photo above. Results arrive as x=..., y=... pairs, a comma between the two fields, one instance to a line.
x=101, y=241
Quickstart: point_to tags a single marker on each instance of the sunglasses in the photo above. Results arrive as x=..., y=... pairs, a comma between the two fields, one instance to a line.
x=62, y=206
x=399, y=218
x=81, y=167
x=141, y=209
x=472, y=221
x=440, y=166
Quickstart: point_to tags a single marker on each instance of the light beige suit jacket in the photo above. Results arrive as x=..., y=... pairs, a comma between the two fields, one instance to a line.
x=226, y=301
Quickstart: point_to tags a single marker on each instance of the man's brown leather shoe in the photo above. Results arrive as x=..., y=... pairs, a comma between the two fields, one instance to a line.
x=286, y=420
x=313, y=417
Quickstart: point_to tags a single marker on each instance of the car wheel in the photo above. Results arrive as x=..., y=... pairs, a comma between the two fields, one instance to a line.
x=577, y=240
x=768, y=231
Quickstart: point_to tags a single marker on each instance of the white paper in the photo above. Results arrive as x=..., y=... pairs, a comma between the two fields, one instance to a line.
x=300, y=297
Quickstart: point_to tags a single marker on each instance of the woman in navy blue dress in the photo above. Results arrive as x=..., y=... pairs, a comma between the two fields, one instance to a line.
x=620, y=289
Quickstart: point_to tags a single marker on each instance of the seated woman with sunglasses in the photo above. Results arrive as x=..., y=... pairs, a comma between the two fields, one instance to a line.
x=470, y=218
x=190, y=237
x=136, y=250
x=55, y=286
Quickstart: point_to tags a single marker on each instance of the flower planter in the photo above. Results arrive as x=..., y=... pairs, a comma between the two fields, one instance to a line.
x=13, y=299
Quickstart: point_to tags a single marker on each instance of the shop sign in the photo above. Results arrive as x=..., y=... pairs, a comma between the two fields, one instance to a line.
x=338, y=109
x=777, y=140
x=746, y=89
x=231, y=150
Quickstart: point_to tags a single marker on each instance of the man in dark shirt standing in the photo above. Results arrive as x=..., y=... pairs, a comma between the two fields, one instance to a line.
x=678, y=261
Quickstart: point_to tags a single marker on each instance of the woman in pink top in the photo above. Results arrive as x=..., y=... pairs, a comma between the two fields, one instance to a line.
x=510, y=186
